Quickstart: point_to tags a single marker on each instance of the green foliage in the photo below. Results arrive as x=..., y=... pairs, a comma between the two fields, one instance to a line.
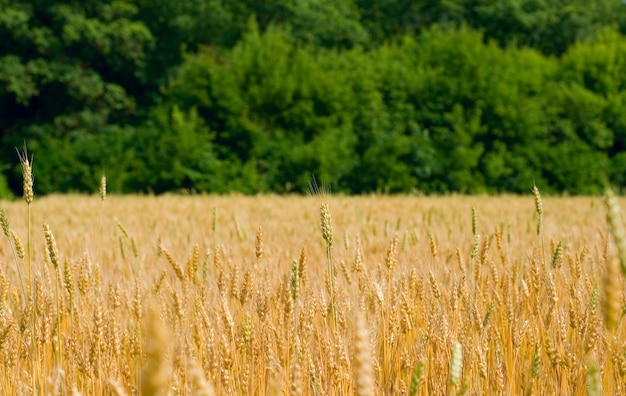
x=75, y=163
x=483, y=108
x=272, y=102
x=5, y=192
x=327, y=23
x=176, y=152
x=547, y=25
x=389, y=96
x=69, y=65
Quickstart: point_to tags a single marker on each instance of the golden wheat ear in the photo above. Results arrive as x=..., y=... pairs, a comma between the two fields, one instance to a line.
x=27, y=175
x=363, y=367
x=157, y=371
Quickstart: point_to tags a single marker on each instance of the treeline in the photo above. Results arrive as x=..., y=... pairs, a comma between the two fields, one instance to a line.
x=400, y=96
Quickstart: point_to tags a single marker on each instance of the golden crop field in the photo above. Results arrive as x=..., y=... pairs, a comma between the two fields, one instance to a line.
x=322, y=295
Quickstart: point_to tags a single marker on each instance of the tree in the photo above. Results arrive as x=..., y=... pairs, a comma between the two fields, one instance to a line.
x=547, y=25
x=68, y=68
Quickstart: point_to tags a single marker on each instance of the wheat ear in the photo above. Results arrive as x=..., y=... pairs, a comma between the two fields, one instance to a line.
x=16, y=248
x=363, y=368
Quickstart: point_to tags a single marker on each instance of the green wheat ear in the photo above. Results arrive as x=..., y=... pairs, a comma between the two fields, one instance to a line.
x=103, y=187
x=474, y=220
x=416, y=378
x=593, y=381
x=538, y=208
x=616, y=226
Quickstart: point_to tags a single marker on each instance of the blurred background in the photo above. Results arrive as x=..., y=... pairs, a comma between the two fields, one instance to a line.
x=388, y=96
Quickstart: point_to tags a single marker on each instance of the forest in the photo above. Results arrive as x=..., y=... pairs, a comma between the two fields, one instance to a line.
x=392, y=96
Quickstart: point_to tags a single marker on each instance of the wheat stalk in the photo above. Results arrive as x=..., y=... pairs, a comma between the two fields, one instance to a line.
x=53, y=254
x=327, y=234
x=29, y=196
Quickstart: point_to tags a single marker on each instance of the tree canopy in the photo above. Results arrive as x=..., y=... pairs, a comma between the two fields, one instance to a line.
x=392, y=96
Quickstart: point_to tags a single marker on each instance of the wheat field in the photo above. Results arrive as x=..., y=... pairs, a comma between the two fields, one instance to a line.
x=319, y=295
